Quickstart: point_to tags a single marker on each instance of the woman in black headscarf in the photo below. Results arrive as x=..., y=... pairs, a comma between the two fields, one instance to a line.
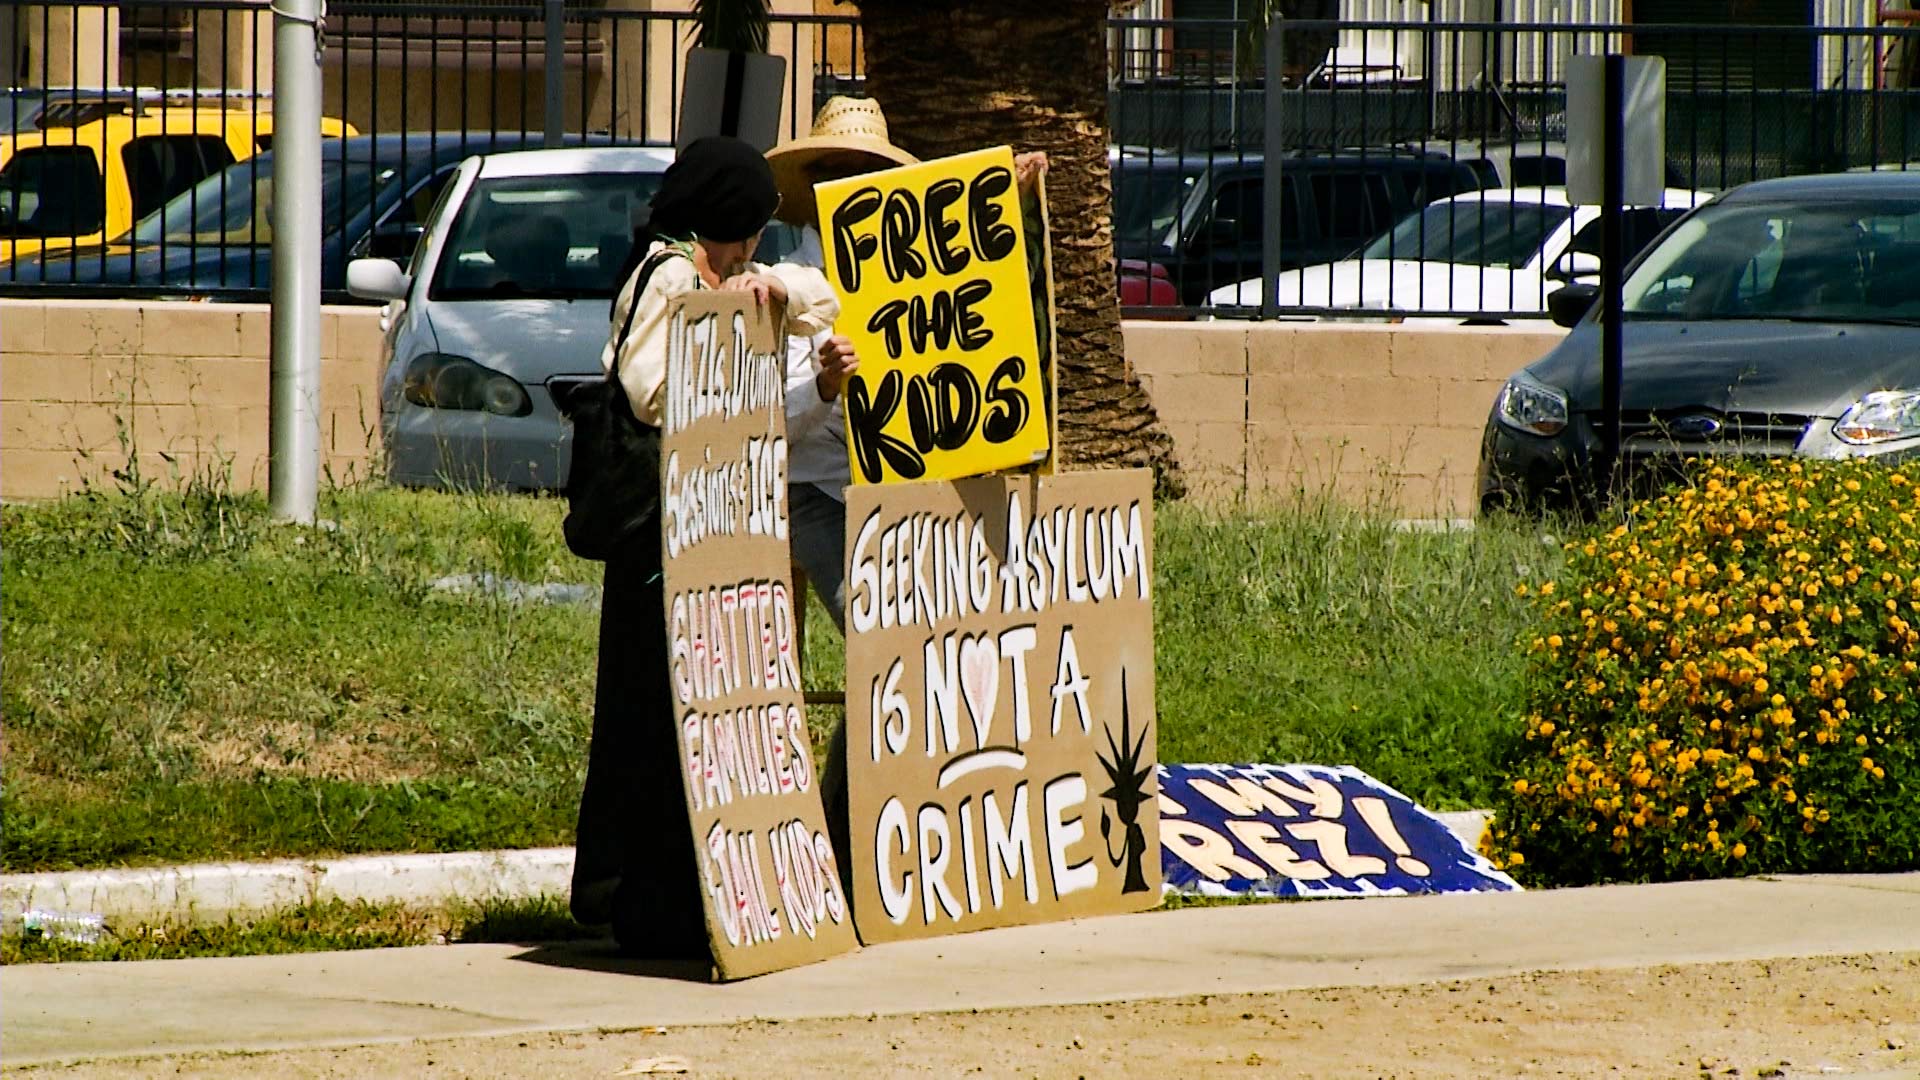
x=634, y=858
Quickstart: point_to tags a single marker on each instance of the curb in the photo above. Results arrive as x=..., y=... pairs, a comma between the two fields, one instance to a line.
x=214, y=890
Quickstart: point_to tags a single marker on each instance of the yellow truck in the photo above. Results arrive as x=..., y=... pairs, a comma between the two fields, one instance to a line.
x=95, y=166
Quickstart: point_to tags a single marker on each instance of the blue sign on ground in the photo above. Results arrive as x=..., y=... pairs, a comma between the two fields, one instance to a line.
x=1307, y=830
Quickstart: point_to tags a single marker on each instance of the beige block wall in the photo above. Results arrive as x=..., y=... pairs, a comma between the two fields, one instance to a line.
x=183, y=385
x=1390, y=414
x=1264, y=409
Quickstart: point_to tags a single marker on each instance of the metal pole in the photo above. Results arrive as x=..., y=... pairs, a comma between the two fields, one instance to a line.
x=1272, y=194
x=556, y=46
x=1613, y=193
x=293, y=472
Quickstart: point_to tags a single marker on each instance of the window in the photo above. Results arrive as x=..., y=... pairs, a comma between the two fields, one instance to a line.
x=439, y=207
x=417, y=207
x=397, y=234
x=1432, y=183
x=1538, y=170
x=1824, y=260
x=236, y=206
x=1239, y=209
x=52, y=191
x=1638, y=226
x=162, y=166
x=1472, y=231
x=1146, y=203
x=551, y=237
x=1352, y=205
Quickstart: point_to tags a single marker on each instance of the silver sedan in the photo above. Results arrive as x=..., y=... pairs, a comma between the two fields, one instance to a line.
x=505, y=303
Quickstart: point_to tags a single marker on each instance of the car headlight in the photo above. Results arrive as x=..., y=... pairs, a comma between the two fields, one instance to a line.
x=1882, y=416
x=444, y=381
x=1529, y=405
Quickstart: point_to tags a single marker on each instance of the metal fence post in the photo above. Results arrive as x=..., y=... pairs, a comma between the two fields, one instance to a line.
x=555, y=68
x=293, y=422
x=1272, y=194
x=1612, y=258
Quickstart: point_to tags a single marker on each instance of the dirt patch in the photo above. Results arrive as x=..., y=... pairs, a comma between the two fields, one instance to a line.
x=1855, y=1017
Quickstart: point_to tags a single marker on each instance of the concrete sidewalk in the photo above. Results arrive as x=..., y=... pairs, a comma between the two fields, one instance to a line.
x=103, y=1010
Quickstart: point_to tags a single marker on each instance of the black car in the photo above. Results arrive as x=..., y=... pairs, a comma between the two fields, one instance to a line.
x=375, y=193
x=1202, y=216
x=1783, y=317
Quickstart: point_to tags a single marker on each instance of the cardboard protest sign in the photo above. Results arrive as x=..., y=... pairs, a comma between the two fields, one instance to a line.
x=930, y=262
x=767, y=873
x=1307, y=830
x=1000, y=717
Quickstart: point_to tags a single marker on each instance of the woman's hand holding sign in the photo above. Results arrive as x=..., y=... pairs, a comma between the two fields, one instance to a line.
x=1028, y=168
x=837, y=361
x=762, y=286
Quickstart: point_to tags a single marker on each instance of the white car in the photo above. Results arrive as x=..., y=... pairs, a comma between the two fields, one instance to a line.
x=1476, y=258
x=507, y=299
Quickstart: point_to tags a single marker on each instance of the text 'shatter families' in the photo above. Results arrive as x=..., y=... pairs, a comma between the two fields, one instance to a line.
x=768, y=876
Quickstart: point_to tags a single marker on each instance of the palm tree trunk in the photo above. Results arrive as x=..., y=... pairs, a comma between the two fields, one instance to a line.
x=958, y=75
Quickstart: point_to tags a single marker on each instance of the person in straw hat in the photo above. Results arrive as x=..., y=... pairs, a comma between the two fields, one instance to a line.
x=849, y=138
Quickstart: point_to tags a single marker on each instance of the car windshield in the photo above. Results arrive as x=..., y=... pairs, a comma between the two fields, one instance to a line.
x=235, y=207
x=1476, y=232
x=560, y=237
x=1146, y=203
x=1829, y=260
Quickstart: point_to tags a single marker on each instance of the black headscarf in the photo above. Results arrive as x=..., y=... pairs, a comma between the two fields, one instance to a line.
x=718, y=188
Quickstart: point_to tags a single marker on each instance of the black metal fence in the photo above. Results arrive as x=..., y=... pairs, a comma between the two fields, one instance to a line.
x=1422, y=164
x=164, y=190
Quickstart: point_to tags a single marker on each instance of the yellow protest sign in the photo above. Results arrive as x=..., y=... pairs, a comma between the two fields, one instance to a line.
x=930, y=262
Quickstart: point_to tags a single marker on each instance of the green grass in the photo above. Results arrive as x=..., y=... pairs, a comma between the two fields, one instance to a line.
x=185, y=681
x=319, y=926
x=1321, y=633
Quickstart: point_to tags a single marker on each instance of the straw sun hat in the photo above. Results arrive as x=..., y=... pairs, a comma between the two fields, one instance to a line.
x=849, y=136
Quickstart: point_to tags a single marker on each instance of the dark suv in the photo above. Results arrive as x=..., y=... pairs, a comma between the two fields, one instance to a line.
x=1200, y=215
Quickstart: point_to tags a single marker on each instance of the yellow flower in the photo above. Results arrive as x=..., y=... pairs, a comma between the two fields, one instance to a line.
x=1554, y=641
x=1866, y=763
x=1739, y=851
x=1519, y=787
x=1517, y=859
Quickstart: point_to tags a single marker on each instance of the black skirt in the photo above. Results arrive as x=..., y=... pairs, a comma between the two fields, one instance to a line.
x=634, y=857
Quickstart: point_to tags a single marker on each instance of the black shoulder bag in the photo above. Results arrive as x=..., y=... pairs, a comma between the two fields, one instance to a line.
x=613, y=484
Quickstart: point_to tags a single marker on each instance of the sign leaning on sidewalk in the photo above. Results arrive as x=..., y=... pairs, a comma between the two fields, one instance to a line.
x=1307, y=830
x=768, y=878
x=1000, y=717
x=930, y=263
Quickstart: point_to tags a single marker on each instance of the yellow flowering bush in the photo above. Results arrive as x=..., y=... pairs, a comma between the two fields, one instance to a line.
x=1729, y=686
